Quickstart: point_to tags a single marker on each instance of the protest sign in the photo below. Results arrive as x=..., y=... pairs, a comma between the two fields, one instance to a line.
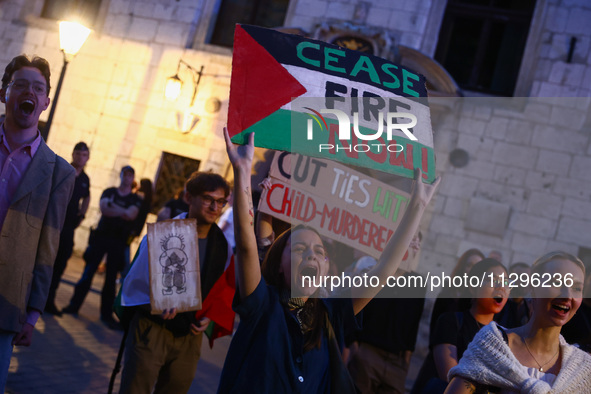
x=317, y=99
x=174, y=266
x=339, y=202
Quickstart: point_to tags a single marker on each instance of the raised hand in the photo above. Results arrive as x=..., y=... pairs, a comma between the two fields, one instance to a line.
x=248, y=268
x=240, y=155
x=422, y=192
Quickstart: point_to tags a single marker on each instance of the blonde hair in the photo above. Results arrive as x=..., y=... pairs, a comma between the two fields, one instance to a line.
x=541, y=261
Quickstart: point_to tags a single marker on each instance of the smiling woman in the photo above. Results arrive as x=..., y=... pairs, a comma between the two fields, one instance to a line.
x=533, y=358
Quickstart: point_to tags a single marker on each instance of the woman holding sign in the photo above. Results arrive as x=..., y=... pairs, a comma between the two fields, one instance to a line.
x=288, y=339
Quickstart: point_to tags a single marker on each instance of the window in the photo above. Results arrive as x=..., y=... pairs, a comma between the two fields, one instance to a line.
x=264, y=13
x=83, y=11
x=481, y=43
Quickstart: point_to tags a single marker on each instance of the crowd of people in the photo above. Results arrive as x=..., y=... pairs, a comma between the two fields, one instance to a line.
x=291, y=337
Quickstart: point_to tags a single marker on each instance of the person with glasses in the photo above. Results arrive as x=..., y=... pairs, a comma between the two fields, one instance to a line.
x=35, y=187
x=162, y=351
x=119, y=207
x=454, y=330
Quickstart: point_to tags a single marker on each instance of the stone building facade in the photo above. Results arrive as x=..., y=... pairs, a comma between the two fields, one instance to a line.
x=524, y=189
x=528, y=164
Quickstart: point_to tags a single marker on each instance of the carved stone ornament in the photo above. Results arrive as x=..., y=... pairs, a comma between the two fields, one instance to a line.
x=381, y=42
x=369, y=39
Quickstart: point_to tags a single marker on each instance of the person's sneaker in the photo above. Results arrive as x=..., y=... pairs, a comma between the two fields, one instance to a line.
x=52, y=310
x=111, y=323
x=70, y=311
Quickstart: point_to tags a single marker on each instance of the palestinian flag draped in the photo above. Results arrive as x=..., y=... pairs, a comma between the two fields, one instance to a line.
x=218, y=306
x=286, y=88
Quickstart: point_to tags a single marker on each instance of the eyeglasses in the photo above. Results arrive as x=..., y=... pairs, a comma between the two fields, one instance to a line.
x=22, y=84
x=500, y=283
x=208, y=200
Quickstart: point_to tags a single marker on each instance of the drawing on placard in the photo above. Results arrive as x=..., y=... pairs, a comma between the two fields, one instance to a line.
x=173, y=260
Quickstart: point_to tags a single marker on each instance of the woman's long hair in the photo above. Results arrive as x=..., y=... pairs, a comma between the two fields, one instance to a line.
x=148, y=191
x=460, y=270
x=270, y=270
x=460, y=267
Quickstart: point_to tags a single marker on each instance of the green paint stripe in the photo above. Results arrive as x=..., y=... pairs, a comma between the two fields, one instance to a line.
x=286, y=130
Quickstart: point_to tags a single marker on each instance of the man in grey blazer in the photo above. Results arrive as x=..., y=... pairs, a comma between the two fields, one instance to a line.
x=35, y=187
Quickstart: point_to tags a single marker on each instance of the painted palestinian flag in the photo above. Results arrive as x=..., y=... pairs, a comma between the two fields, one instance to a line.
x=317, y=99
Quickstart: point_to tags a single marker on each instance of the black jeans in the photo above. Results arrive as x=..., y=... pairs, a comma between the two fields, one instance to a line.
x=98, y=246
x=64, y=252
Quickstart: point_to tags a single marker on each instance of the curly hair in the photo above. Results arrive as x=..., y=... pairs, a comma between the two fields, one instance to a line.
x=21, y=61
x=200, y=182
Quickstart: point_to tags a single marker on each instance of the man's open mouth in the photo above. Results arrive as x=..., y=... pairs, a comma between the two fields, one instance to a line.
x=27, y=107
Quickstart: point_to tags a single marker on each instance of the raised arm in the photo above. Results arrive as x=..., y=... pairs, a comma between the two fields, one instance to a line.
x=264, y=221
x=398, y=243
x=247, y=268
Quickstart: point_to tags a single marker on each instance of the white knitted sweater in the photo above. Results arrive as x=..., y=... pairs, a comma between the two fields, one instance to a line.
x=489, y=360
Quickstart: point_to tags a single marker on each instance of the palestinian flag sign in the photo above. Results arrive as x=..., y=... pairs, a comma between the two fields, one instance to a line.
x=317, y=99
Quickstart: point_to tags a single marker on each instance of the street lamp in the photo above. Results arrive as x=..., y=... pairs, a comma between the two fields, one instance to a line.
x=186, y=120
x=72, y=37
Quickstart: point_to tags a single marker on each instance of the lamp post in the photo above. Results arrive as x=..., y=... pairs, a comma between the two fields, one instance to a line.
x=72, y=37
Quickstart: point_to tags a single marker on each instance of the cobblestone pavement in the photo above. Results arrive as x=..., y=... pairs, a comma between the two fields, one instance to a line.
x=77, y=354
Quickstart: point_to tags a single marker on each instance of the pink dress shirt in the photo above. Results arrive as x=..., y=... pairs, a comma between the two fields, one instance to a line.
x=13, y=165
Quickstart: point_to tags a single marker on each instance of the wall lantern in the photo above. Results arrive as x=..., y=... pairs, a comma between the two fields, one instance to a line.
x=187, y=119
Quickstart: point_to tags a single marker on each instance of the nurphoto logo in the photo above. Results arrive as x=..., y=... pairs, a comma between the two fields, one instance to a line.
x=344, y=130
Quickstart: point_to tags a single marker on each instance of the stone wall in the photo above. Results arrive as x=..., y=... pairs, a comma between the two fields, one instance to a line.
x=112, y=96
x=406, y=19
x=113, y=99
x=547, y=66
x=525, y=189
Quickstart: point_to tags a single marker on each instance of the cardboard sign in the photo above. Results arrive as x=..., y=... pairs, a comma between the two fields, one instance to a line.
x=339, y=202
x=174, y=266
x=286, y=88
